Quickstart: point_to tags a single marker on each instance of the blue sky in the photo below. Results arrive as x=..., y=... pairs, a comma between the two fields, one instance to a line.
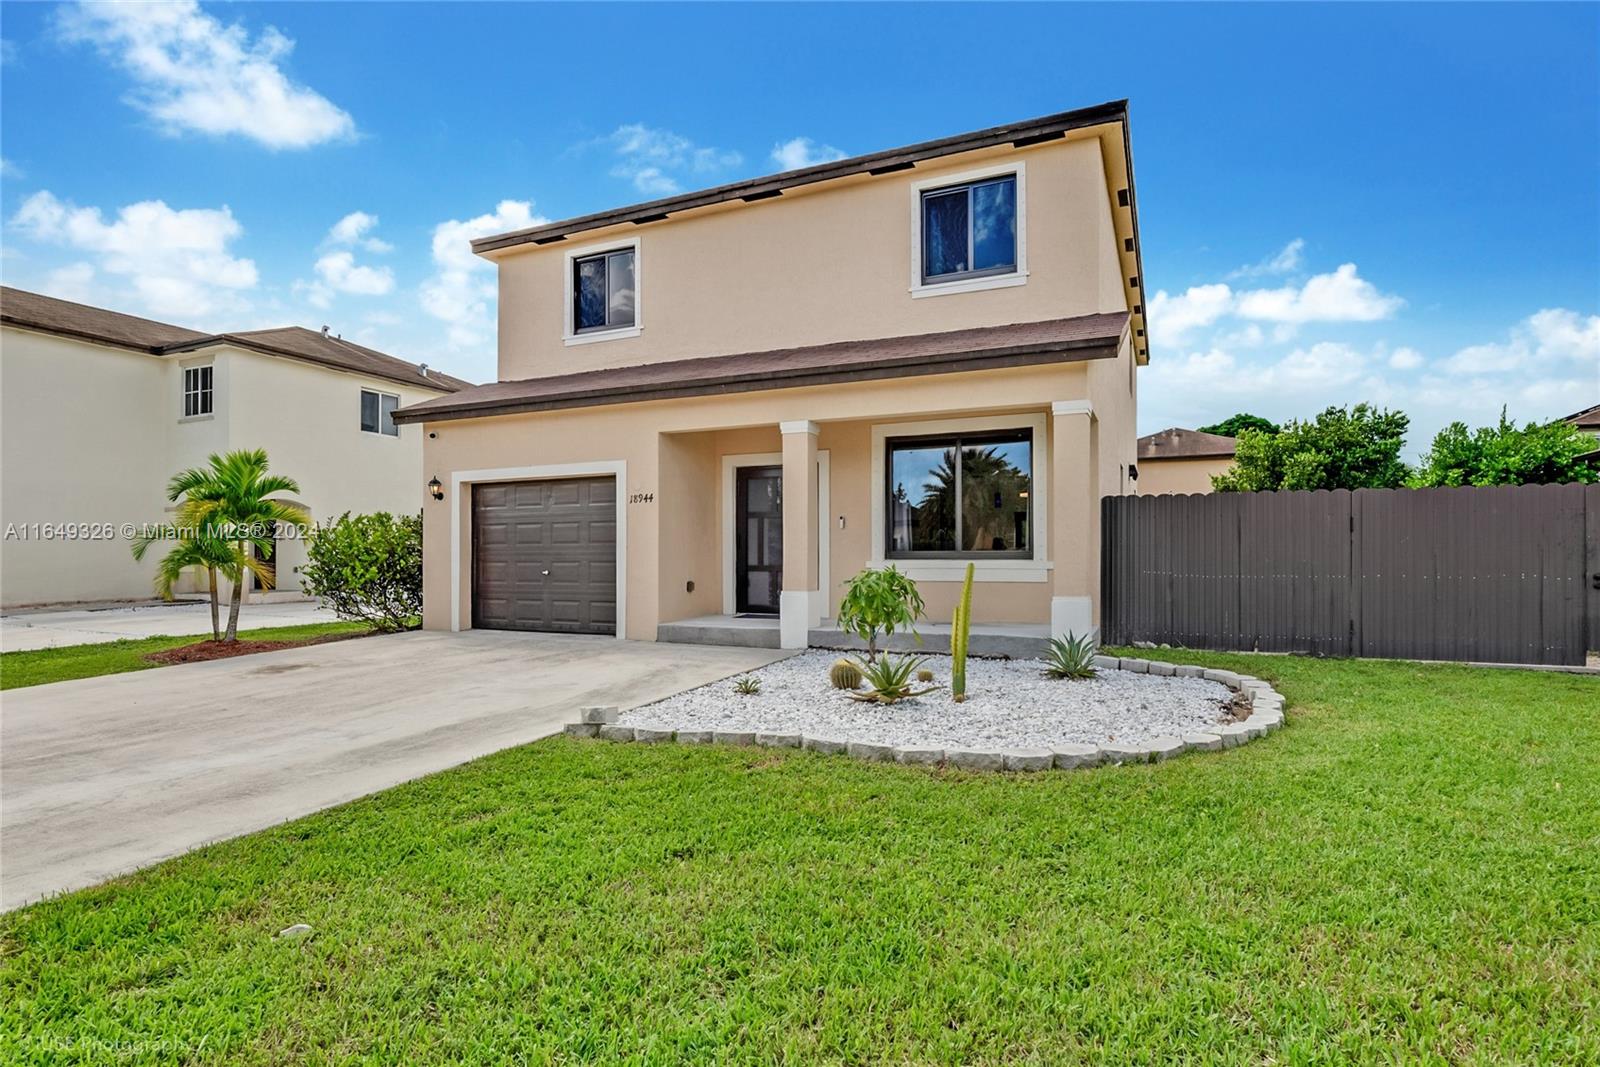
x=1338, y=203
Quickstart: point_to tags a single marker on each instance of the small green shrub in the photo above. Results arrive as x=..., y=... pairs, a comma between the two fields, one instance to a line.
x=889, y=680
x=1070, y=657
x=845, y=674
x=879, y=602
x=368, y=567
x=747, y=686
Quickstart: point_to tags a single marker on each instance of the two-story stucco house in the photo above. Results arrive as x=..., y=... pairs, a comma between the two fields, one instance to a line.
x=101, y=409
x=726, y=403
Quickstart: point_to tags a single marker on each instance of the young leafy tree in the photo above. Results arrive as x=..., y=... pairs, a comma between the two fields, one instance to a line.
x=1357, y=448
x=368, y=567
x=1234, y=425
x=879, y=601
x=233, y=494
x=1508, y=454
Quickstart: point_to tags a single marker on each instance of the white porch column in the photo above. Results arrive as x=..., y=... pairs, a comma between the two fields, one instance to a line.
x=1074, y=519
x=800, y=603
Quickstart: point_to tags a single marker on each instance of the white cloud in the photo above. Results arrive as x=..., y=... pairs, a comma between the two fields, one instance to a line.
x=354, y=229
x=75, y=281
x=193, y=74
x=1173, y=318
x=9, y=169
x=177, y=262
x=800, y=152
x=462, y=290
x=341, y=273
x=1548, y=336
x=1286, y=261
x=1405, y=359
x=654, y=159
x=1343, y=296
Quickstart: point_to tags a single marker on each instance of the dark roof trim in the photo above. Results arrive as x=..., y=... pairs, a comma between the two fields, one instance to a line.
x=755, y=372
x=1021, y=134
x=432, y=380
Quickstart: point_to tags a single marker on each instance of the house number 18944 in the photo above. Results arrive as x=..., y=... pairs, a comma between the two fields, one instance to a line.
x=641, y=498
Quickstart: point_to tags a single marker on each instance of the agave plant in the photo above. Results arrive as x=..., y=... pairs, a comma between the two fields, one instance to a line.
x=888, y=679
x=1070, y=657
x=747, y=686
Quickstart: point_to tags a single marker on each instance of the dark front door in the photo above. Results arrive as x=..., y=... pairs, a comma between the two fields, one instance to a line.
x=758, y=562
x=544, y=556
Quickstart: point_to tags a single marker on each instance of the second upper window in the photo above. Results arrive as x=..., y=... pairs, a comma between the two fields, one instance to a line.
x=603, y=291
x=970, y=230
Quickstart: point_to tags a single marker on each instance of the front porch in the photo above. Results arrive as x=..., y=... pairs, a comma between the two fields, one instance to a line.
x=1000, y=640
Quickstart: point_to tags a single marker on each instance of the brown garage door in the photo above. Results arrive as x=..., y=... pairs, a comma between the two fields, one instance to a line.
x=544, y=556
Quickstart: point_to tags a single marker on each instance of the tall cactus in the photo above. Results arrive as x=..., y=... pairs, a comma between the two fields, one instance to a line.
x=959, y=627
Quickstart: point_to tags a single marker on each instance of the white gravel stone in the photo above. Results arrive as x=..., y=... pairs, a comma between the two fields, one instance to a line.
x=1010, y=705
x=600, y=714
x=581, y=729
x=1070, y=757
x=1029, y=759
x=975, y=761
x=1203, y=742
x=613, y=732
x=918, y=755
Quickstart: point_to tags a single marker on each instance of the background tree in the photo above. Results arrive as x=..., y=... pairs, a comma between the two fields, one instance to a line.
x=233, y=495
x=1234, y=425
x=1339, y=449
x=1508, y=454
x=368, y=567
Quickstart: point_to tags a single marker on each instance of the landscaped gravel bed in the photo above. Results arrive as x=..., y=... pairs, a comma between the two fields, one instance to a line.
x=1010, y=705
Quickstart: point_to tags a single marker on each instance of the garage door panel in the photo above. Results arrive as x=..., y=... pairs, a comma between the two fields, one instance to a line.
x=544, y=556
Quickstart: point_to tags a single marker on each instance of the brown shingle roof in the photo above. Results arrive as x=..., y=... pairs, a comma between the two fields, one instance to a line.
x=1178, y=443
x=984, y=348
x=35, y=311
x=1587, y=419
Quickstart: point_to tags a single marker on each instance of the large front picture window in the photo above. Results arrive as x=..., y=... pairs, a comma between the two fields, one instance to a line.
x=961, y=495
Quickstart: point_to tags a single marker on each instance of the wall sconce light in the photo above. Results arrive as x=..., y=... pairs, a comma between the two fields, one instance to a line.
x=435, y=488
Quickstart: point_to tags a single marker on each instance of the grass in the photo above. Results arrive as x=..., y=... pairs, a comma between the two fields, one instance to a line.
x=18, y=669
x=1409, y=872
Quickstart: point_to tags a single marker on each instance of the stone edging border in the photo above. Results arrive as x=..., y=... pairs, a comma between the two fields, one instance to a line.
x=1266, y=715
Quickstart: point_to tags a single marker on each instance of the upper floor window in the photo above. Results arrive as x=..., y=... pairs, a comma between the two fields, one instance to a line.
x=377, y=413
x=960, y=495
x=604, y=291
x=196, y=391
x=969, y=230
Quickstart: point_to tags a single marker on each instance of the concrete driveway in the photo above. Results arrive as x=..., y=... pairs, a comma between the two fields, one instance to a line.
x=23, y=631
x=104, y=775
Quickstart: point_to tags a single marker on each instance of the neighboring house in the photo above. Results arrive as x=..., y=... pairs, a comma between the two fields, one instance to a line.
x=1587, y=420
x=1182, y=461
x=101, y=409
x=730, y=401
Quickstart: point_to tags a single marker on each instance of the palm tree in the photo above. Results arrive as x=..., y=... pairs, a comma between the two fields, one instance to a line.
x=195, y=548
x=233, y=496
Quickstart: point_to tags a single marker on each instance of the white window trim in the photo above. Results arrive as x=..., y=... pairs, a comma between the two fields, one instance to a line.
x=183, y=389
x=1037, y=568
x=919, y=288
x=570, y=336
x=730, y=520
x=379, y=431
x=461, y=514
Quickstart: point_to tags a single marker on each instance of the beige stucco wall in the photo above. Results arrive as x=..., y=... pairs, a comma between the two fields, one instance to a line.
x=821, y=263
x=673, y=450
x=93, y=433
x=1180, y=475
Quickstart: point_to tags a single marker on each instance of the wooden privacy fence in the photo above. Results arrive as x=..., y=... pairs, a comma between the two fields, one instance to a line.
x=1506, y=574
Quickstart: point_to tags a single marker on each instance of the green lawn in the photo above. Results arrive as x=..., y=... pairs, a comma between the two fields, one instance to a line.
x=1408, y=872
x=18, y=669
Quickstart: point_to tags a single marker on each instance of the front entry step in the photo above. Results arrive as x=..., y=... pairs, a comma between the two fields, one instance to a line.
x=721, y=630
x=997, y=640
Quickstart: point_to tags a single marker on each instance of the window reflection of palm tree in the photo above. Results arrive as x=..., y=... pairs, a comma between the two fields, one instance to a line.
x=990, y=502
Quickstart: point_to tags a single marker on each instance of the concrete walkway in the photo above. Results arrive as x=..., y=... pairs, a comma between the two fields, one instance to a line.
x=104, y=775
x=27, y=630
